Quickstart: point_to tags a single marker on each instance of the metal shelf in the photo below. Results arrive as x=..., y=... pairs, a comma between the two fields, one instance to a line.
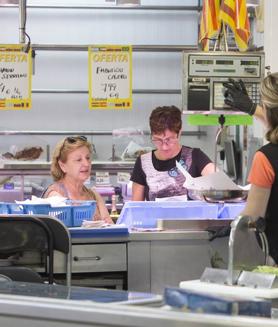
x=115, y=7
x=186, y=133
x=135, y=91
x=42, y=168
x=135, y=48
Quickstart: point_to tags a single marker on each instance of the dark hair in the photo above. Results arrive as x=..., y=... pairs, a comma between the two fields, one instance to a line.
x=167, y=117
x=269, y=95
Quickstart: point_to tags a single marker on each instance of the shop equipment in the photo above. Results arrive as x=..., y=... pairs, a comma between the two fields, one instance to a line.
x=204, y=74
x=248, y=248
x=23, y=233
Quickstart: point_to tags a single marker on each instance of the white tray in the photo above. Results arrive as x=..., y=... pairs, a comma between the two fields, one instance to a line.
x=217, y=289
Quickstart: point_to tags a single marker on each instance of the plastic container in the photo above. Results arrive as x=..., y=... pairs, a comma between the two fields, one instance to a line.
x=71, y=214
x=230, y=210
x=144, y=214
x=82, y=210
x=201, y=301
x=15, y=208
x=4, y=208
x=62, y=213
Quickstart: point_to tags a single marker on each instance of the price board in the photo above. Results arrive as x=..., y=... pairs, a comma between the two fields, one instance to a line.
x=110, y=77
x=15, y=77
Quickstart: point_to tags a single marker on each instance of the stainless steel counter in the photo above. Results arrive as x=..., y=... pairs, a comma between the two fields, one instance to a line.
x=78, y=293
x=30, y=311
x=168, y=235
x=145, y=236
x=153, y=259
x=147, y=261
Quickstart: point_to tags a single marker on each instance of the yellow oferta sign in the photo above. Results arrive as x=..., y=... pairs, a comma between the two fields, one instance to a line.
x=110, y=77
x=15, y=77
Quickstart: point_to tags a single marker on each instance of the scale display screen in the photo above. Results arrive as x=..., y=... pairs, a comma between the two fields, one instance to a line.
x=249, y=63
x=224, y=62
x=204, y=62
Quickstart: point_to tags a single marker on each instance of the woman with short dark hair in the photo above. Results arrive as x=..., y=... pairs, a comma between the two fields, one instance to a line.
x=155, y=174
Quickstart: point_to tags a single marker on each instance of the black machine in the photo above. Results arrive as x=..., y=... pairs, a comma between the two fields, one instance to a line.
x=233, y=160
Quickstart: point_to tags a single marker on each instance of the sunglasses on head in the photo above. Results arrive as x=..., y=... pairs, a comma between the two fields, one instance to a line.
x=73, y=139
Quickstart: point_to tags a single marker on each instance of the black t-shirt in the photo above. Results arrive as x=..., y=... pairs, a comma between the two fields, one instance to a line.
x=271, y=152
x=199, y=161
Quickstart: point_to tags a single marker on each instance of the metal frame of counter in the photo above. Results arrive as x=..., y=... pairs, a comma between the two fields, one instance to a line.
x=142, y=261
x=152, y=260
x=34, y=312
x=159, y=259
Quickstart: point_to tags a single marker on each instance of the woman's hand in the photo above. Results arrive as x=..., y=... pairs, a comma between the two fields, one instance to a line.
x=108, y=220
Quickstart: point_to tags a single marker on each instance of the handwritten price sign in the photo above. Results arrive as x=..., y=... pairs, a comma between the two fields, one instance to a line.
x=15, y=77
x=110, y=77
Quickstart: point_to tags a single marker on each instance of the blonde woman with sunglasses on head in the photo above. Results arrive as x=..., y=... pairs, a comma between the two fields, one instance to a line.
x=155, y=174
x=70, y=168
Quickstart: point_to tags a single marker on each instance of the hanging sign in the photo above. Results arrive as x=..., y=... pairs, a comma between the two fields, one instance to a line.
x=15, y=77
x=110, y=77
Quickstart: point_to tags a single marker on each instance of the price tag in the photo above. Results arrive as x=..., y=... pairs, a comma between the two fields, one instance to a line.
x=123, y=177
x=102, y=178
x=15, y=77
x=110, y=77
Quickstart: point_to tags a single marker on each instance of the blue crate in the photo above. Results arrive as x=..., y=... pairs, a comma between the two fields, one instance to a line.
x=82, y=210
x=4, y=208
x=144, y=214
x=63, y=213
x=230, y=210
x=72, y=214
x=15, y=208
x=10, y=208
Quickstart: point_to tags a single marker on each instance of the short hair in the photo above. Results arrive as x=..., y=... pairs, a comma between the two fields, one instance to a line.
x=166, y=117
x=62, y=150
x=269, y=97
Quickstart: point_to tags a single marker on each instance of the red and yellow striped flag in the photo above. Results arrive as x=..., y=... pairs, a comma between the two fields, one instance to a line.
x=209, y=24
x=234, y=14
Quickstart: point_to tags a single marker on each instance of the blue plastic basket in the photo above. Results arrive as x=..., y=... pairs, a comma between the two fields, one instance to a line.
x=82, y=210
x=4, y=208
x=15, y=208
x=71, y=214
x=63, y=213
x=146, y=213
x=230, y=210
